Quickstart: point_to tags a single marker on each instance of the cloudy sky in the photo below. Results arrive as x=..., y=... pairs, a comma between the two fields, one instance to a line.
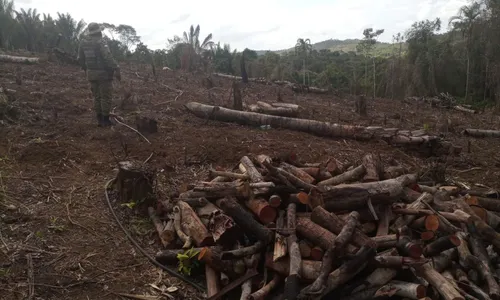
x=256, y=24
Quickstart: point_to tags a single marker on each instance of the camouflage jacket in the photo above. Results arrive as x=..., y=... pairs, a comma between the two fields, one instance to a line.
x=95, y=58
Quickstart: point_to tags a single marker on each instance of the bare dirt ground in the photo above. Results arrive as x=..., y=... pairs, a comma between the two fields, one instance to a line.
x=54, y=162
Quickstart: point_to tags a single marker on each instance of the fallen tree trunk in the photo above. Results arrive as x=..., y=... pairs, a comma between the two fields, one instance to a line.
x=19, y=59
x=479, y=133
x=432, y=144
x=264, y=108
x=464, y=109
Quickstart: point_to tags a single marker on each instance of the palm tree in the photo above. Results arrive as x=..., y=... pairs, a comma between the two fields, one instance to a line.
x=6, y=22
x=31, y=25
x=464, y=22
x=193, y=48
x=70, y=30
x=302, y=48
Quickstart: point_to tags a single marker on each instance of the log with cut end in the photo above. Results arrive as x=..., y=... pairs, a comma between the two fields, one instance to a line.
x=397, y=262
x=309, y=269
x=221, y=226
x=445, y=289
x=297, y=172
x=484, y=230
x=487, y=203
x=262, y=293
x=441, y=244
x=335, y=224
x=213, y=281
x=393, y=172
x=244, y=219
x=315, y=127
x=480, y=261
x=212, y=257
x=385, y=241
x=381, y=275
x=193, y=226
x=373, y=167
x=165, y=232
x=482, y=133
x=280, y=242
x=406, y=245
x=418, y=204
x=261, y=208
x=348, y=176
x=305, y=249
x=402, y=289
x=317, y=234
x=251, y=170
x=221, y=189
x=275, y=201
x=465, y=109
x=292, y=280
x=444, y=260
x=315, y=198
x=186, y=239
x=19, y=59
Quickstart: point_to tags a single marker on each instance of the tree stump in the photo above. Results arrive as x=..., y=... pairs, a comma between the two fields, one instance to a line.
x=238, y=103
x=134, y=183
x=146, y=125
x=207, y=82
x=361, y=105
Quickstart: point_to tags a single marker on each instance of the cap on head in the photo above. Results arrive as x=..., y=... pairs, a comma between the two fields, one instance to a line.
x=94, y=28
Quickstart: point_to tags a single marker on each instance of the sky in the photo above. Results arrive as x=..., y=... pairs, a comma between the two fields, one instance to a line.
x=254, y=24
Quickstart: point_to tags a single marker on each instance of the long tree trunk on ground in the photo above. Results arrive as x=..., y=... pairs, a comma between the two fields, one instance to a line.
x=432, y=144
x=19, y=59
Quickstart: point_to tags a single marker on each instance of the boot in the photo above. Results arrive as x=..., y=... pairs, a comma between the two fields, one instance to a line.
x=99, y=120
x=106, y=121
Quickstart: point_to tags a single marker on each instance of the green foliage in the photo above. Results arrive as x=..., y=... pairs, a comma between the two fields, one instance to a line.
x=188, y=261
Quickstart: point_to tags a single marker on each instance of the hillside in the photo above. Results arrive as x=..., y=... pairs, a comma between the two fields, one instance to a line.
x=348, y=45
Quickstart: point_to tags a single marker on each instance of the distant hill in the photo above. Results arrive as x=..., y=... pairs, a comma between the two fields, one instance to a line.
x=342, y=45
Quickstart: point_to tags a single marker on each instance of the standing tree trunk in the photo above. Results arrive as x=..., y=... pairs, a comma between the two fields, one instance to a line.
x=237, y=103
x=303, y=71
x=244, y=75
x=467, y=77
x=374, y=83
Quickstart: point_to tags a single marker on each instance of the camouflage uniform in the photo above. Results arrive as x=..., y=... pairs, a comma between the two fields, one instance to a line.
x=95, y=58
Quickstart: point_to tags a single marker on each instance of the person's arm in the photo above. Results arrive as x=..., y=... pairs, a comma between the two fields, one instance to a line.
x=109, y=60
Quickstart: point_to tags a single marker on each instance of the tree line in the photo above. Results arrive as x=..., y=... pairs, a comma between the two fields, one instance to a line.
x=464, y=61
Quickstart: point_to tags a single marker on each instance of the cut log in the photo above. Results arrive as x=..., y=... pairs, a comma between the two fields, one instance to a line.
x=354, y=196
x=424, y=212
x=348, y=176
x=243, y=252
x=265, y=108
x=441, y=244
x=195, y=202
x=280, y=242
x=418, y=204
x=487, y=203
x=212, y=257
x=309, y=270
x=484, y=230
x=398, y=262
x=393, y=172
x=213, y=281
x=385, y=218
x=299, y=198
x=334, y=224
x=293, y=279
x=333, y=252
x=317, y=253
x=315, y=199
x=464, y=109
x=251, y=170
x=317, y=234
x=186, y=239
x=297, y=172
x=463, y=250
x=287, y=105
x=312, y=171
x=305, y=249
x=165, y=232
x=445, y=289
x=244, y=219
x=480, y=261
x=373, y=167
x=262, y=293
x=405, y=244
x=444, y=260
x=215, y=173
x=433, y=144
x=380, y=276
x=275, y=201
x=261, y=208
x=193, y=226
x=169, y=257
x=19, y=59
x=402, y=289
x=134, y=183
x=385, y=241
x=211, y=190
x=479, y=133
x=221, y=226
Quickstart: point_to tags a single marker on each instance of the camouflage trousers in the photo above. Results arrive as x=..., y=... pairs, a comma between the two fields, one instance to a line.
x=102, y=91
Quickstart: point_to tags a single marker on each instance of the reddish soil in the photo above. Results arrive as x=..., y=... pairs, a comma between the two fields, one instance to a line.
x=54, y=162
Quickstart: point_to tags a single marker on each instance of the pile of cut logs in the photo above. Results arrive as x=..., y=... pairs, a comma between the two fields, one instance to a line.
x=279, y=227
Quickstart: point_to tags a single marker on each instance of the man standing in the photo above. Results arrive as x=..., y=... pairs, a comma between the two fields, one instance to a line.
x=96, y=59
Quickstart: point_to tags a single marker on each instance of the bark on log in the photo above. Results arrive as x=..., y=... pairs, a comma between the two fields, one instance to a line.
x=385, y=218
x=280, y=242
x=335, y=224
x=402, y=289
x=193, y=226
x=464, y=109
x=261, y=208
x=317, y=234
x=221, y=226
x=405, y=244
x=385, y=241
x=485, y=231
x=436, y=146
x=354, y=196
x=251, y=170
x=213, y=281
x=169, y=257
x=373, y=167
x=463, y=250
x=317, y=253
x=445, y=289
x=134, y=183
x=244, y=219
x=410, y=195
x=186, y=239
x=398, y=262
x=444, y=260
x=305, y=249
x=380, y=276
x=309, y=269
x=441, y=244
x=292, y=280
x=19, y=59
x=287, y=105
x=312, y=171
x=165, y=232
x=220, y=190
x=266, y=290
x=348, y=176
x=243, y=252
x=487, y=203
x=479, y=133
x=452, y=217
x=393, y=172
x=264, y=108
x=215, y=173
x=297, y=172
x=480, y=261
x=212, y=257
x=405, y=220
